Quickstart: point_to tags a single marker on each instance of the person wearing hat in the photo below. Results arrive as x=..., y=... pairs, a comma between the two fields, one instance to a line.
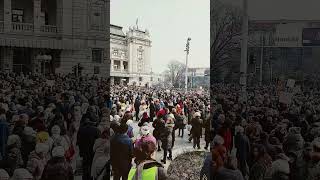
x=37, y=160
x=145, y=136
x=167, y=139
x=147, y=168
x=242, y=144
x=57, y=167
x=87, y=135
x=101, y=148
x=121, y=150
x=28, y=141
x=196, y=129
x=13, y=159
x=145, y=119
x=158, y=125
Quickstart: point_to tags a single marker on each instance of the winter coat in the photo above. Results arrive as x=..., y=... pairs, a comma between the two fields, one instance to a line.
x=36, y=165
x=121, y=151
x=101, y=148
x=4, y=134
x=179, y=121
x=207, y=167
x=242, y=145
x=57, y=168
x=12, y=161
x=280, y=169
x=159, y=126
x=196, y=129
x=166, y=137
x=28, y=145
x=86, y=138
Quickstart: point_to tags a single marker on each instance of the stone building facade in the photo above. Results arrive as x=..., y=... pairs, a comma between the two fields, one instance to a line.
x=131, y=57
x=53, y=36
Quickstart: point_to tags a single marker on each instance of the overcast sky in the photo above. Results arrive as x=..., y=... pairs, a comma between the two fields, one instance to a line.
x=170, y=23
x=282, y=9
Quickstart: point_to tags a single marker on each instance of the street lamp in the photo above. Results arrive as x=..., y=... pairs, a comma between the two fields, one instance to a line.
x=186, y=73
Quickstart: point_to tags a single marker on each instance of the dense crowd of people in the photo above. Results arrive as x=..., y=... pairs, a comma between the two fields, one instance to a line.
x=47, y=122
x=264, y=137
x=159, y=113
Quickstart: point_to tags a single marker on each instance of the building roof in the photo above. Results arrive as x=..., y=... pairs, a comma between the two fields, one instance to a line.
x=116, y=30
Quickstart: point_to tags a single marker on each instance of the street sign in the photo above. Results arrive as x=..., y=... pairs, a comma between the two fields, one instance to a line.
x=290, y=83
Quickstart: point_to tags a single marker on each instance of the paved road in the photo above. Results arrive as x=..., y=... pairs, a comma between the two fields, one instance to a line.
x=180, y=145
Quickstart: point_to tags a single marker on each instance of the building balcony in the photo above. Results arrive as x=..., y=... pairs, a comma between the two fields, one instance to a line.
x=22, y=27
x=49, y=29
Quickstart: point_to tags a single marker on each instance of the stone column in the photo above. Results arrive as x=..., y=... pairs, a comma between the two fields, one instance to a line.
x=7, y=17
x=121, y=66
x=37, y=15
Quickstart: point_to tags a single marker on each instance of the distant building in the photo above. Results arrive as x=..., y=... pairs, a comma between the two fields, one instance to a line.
x=53, y=36
x=198, y=77
x=291, y=49
x=130, y=57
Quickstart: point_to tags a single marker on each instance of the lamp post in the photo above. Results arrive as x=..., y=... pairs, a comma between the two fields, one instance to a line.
x=244, y=51
x=186, y=73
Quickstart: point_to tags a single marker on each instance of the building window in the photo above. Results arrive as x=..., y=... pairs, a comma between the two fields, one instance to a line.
x=116, y=65
x=96, y=70
x=125, y=65
x=115, y=52
x=140, y=52
x=97, y=55
x=151, y=79
x=17, y=15
x=140, y=79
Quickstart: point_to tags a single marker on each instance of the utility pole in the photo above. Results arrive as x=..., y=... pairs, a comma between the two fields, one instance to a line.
x=186, y=73
x=244, y=51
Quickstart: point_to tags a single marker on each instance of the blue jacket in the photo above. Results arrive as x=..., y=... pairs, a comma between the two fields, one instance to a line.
x=121, y=151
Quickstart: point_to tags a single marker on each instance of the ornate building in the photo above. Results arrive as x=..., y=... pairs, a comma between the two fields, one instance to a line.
x=54, y=36
x=130, y=57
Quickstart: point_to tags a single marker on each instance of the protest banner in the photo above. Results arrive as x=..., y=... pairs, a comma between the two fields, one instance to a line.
x=290, y=83
x=285, y=97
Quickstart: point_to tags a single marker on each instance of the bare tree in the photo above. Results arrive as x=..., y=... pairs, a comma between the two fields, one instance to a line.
x=175, y=73
x=225, y=33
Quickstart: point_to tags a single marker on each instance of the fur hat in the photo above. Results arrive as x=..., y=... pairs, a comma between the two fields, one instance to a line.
x=145, y=130
x=14, y=139
x=29, y=131
x=218, y=140
x=42, y=148
x=197, y=114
